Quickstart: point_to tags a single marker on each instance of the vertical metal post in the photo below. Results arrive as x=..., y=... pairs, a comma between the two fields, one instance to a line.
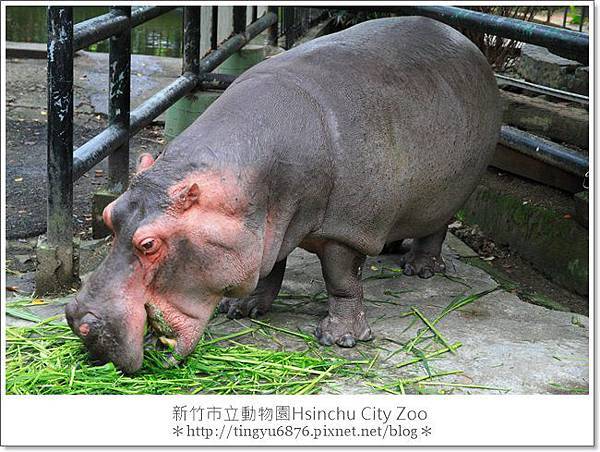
x=288, y=26
x=191, y=39
x=304, y=20
x=239, y=19
x=118, y=101
x=254, y=13
x=55, y=257
x=273, y=32
x=583, y=13
x=565, y=17
x=214, y=28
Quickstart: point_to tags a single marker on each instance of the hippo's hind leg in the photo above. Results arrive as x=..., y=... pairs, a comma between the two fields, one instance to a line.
x=259, y=302
x=424, y=258
x=346, y=322
x=396, y=247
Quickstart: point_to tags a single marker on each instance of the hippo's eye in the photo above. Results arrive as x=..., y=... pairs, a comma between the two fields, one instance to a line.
x=148, y=246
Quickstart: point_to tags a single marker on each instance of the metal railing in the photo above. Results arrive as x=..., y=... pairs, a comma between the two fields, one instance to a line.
x=566, y=43
x=64, y=165
x=295, y=22
x=582, y=17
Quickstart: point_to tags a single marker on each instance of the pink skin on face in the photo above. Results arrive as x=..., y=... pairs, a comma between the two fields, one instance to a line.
x=208, y=210
x=184, y=261
x=106, y=215
x=135, y=313
x=84, y=329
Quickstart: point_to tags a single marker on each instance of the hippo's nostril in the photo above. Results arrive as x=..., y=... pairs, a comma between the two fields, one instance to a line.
x=82, y=326
x=84, y=329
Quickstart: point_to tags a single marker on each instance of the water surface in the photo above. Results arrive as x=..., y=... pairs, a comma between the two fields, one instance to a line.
x=160, y=37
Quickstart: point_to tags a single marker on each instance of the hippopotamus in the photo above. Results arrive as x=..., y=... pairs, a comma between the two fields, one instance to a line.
x=341, y=146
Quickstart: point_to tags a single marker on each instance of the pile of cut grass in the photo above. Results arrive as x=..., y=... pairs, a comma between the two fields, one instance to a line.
x=47, y=358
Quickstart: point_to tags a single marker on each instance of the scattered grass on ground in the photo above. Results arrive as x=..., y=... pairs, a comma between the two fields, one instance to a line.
x=47, y=358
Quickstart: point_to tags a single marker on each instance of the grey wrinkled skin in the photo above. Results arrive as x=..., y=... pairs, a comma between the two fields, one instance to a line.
x=352, y=141
x=364, y=137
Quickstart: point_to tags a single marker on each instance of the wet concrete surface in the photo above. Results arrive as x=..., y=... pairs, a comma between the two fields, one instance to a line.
x=26, y=109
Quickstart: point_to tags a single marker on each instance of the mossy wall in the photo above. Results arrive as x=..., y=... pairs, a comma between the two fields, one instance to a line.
x=555, y=245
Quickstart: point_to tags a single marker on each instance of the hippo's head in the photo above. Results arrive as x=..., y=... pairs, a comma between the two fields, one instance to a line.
x=181, y=242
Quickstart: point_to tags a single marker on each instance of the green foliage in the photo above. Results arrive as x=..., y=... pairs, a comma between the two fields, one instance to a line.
x=575, y=15
x=48, y=359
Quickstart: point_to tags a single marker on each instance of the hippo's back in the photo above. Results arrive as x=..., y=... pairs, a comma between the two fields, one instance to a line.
x=411, y=110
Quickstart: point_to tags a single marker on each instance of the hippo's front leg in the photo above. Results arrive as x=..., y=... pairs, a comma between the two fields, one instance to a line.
x=259, y=302
x=346, y=322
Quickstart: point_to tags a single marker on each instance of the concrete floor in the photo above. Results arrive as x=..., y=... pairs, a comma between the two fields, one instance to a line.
x=149, y=74
x=508, y=344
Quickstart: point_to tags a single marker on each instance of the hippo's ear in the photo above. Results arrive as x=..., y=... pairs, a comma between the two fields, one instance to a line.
x=189, y=196
x=145, y=161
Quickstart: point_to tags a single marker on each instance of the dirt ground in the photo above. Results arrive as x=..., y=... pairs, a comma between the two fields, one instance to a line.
x=516, y=274
x=27, y=179
x=26, y=189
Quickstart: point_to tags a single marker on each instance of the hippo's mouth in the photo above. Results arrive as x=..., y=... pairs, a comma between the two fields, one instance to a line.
x=159, y=331
x=174, y=329
x=159, y=328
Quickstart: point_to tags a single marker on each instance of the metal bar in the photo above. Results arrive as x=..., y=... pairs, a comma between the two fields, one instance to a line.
x=98, y=29
x=153, y=107
x=583, y=12
x=515, y=162
x=217, y=81
x=544, y=150
x=191, y=39
x=146, y=13
x=118, y=101
x=214, y=28
x=60, y=127
x=239, y=19
x=566, y=43
x=573, y=97
x=565, y=17
x=236, y=42
x=103, y=144
x=103, y=27
x=273, y=29
x=99, y=147
x=254, y=10
x=288, y=26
